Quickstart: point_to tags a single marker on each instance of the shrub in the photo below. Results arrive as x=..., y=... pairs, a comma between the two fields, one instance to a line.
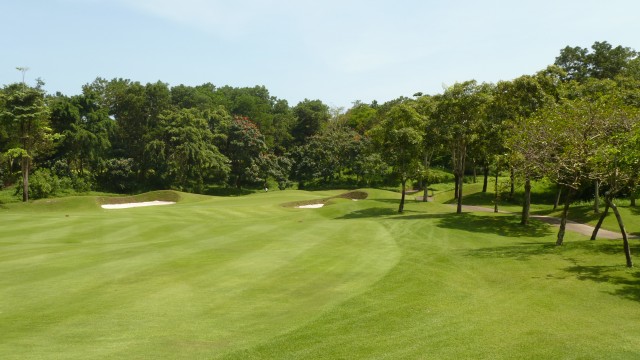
x=118, y=175
x=42, y=183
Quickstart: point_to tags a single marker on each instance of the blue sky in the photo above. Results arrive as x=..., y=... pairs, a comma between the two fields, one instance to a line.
x=335, y=51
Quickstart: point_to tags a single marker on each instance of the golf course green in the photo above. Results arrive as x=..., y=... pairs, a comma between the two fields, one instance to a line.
x=254, y=277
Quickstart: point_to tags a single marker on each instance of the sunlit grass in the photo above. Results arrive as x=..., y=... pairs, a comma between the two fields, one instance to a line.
x=245, y=277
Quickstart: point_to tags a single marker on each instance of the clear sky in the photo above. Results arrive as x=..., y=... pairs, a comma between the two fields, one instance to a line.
x=338, y=51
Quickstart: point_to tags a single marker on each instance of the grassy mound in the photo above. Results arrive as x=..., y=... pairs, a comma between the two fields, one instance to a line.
x=351, y=195
x=160, y=195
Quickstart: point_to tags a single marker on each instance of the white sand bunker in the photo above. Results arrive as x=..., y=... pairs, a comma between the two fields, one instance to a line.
x=137, y=204
x=311, y=206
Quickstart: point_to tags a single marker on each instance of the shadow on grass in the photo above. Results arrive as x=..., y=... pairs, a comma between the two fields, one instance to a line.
x=522, y=252
x=388, y=213
x=629, y=284
x=503, y=225
x=500, y=225
x=225, y=191
x=481, y=199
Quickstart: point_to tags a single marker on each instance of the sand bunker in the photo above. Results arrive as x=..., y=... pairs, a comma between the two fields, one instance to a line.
x=311, y=206
x=137, y=204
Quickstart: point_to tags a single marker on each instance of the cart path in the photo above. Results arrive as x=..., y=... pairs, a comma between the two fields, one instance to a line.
x=580, y=228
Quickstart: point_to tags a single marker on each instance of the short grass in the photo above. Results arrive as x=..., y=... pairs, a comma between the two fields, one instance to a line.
x=247, y=278
x=542, y=199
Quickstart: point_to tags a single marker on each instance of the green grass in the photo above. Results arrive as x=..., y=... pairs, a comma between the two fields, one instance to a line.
x=245, y=277
x=542, y=199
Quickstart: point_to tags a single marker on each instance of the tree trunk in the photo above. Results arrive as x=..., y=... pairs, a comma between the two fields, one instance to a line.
x=527, y=202
x=459, y=209
x=475, y=179
x=427, y=162
x=497, y=194
x=600, y=220
x=455, y=191
x=486, y=178
x=632, y=197
x=563, y=220
x=596, y=202
x=401, y=208
x=513, y=183
x=558, y=195
x=625, y=240
x=25, y=178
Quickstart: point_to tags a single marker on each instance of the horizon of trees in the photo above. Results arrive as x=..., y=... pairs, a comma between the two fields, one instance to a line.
x=575, y=123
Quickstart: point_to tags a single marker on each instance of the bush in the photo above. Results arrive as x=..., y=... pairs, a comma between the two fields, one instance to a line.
x=118, y=175
x=42, y=183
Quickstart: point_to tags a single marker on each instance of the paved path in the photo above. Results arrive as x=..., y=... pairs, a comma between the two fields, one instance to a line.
x=580, y=228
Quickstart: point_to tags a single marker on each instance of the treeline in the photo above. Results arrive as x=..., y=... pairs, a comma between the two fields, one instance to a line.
x=574, y=123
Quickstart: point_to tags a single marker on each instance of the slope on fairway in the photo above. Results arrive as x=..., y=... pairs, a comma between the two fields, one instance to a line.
x=245, y=278
x=195, y=279
x=477, y=286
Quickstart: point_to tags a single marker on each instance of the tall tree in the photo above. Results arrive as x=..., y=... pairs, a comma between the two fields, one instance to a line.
x=603, y=62
x=515, y=102
x=27, y=118
x=311, y=116
x=460, y=111
x=615, y=160
x=400, y=140
x=245, y=145
x=186, y=145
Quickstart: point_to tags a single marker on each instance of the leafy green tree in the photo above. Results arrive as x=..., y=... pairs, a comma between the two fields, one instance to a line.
x=460, y=111
x=615, y=160
x=400, y=140
x=571, y=134
x=245, y=144
x=201, y=97
x=361, y=117
x=515, y=101
x=185, y=144
x=328, y=155
x=433, y=137
x=311, y=116
x=86, y=129
x=26, y=118
x=603, y=62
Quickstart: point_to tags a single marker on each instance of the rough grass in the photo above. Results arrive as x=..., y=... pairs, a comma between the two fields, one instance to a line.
x=246, y=278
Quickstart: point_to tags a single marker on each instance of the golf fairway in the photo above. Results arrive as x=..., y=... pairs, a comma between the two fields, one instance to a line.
x=246, y=277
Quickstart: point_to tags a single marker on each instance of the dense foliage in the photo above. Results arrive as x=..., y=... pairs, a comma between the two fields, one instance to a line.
x=566, y=123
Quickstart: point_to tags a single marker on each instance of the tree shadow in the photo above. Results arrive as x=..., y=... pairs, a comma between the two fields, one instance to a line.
x=481, y=199
x=629, y=285
x=388, y=213
x=522, y=252
x=371, y=212
x=501, y=225
x=388, y=201
x=227, y=191
x=604, y=246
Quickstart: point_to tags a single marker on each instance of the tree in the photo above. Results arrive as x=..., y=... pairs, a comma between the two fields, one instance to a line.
x=432, y=137
x=361, y=117
x=603, y=62
x=186, y=145
x=400, y=140
x=615, y=161
x=571, y=134
x=85, y=127
x=311, y=116
x=459, y=113
x=244, y=146
x=515, y=102
x=27, y=119
x=328, y=155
